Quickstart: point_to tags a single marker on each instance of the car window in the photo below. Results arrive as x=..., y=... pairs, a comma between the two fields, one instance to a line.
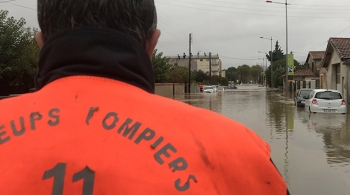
x=312, y=94
x=328, y=95
x=304, y=93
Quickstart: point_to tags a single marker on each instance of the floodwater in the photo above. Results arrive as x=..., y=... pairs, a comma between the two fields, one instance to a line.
x=311, y=151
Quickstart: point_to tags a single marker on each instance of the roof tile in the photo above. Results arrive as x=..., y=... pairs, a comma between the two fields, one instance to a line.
x=317, y=54
x=342, y=45
x=304, y=72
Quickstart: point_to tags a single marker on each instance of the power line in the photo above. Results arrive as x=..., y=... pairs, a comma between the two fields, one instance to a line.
x=23, y=6
x=240, y=8
x=244, y=13
x=326, y=42
x=170, y=34
x=313, y=5
x=316, y=5
x=170, y=21
x=6, y=1
x=168, y=27
x=233, y=58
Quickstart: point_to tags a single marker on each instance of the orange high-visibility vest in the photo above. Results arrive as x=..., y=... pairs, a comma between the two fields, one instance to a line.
x=86, y=135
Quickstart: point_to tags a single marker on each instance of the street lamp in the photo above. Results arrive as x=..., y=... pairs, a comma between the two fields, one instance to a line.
x=286, y=76
x=271, y=59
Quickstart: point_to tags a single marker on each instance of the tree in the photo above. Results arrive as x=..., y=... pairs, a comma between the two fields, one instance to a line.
x=18, y=55
x=279, y=69
x=178, y=74
x=161, y=67
x=218, y=80
x=232, y=74
x=244, y=72
x=255, y=73
x=200, y=76
x=298, y=66
x=277, y=54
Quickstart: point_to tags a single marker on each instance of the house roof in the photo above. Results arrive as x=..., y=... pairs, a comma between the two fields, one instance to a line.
x=304, y=73
x=342, y=46
x=317, y=55
x=213, y=56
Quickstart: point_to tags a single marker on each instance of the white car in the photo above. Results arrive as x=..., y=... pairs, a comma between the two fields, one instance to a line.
x=325, y=101
x=208, y=89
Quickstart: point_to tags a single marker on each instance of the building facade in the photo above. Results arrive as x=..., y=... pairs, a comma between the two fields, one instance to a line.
x=199, y=62
x=335, y=70
x=314, y=59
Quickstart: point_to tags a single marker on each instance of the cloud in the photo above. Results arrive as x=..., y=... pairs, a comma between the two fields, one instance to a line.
x=232, y=28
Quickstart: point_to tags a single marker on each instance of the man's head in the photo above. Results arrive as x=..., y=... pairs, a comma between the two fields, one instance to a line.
x=137, y=18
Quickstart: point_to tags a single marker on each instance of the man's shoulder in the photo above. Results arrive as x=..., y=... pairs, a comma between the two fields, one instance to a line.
x=12, y=101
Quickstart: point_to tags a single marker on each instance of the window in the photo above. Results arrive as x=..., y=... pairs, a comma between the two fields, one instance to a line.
x=208, y=87
x=214, y=61
x=312, y=94
x=337, y=74
x=328, y=95
x=304, y=93
x=201, y=60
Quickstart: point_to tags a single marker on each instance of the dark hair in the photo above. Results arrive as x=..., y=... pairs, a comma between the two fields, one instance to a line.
x=137, y=18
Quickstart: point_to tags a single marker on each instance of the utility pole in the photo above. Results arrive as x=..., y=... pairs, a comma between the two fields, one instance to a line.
x=189, y=64
x=287, y=67
x=210, y=68
x=271, y=62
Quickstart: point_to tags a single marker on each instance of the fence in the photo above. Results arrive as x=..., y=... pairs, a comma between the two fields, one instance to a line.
x=172, y=89
x=312, y=84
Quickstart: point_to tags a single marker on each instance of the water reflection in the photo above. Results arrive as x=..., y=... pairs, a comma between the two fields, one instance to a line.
x=336, y=136
x=310, y=150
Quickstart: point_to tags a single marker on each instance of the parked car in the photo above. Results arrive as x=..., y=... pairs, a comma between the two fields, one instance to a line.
x=232, y=87
x=325, y=101
x=209, y=89
x=301, y=96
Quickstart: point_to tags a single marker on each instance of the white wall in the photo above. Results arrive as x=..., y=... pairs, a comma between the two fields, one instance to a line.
x=331, y=74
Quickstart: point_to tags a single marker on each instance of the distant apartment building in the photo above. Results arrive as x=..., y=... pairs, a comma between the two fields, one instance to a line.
x=198, y=62
x=223, y=73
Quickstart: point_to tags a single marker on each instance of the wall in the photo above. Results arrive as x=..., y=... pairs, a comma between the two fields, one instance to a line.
x=331, y=74
x=347, y=83
x=343, y=80
x=170, y=90
x=184, y=63
x=203, y=65
x=323, y=78
x=310, y=78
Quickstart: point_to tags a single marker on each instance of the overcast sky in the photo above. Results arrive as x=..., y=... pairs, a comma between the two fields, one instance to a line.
x=231, y=28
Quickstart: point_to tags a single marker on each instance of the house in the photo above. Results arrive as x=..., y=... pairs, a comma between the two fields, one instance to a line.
x=306, y=78
x=335, y=74
x=305, y=74
x=314, y=59
x=199, y=62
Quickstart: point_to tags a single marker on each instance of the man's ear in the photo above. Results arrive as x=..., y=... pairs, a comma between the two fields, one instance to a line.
x=151, y=42
x=39, y=39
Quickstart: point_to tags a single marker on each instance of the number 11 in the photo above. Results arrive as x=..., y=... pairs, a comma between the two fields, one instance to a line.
x=59, y=172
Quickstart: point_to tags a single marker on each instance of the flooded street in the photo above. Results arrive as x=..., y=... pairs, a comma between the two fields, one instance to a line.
x=312, y=152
